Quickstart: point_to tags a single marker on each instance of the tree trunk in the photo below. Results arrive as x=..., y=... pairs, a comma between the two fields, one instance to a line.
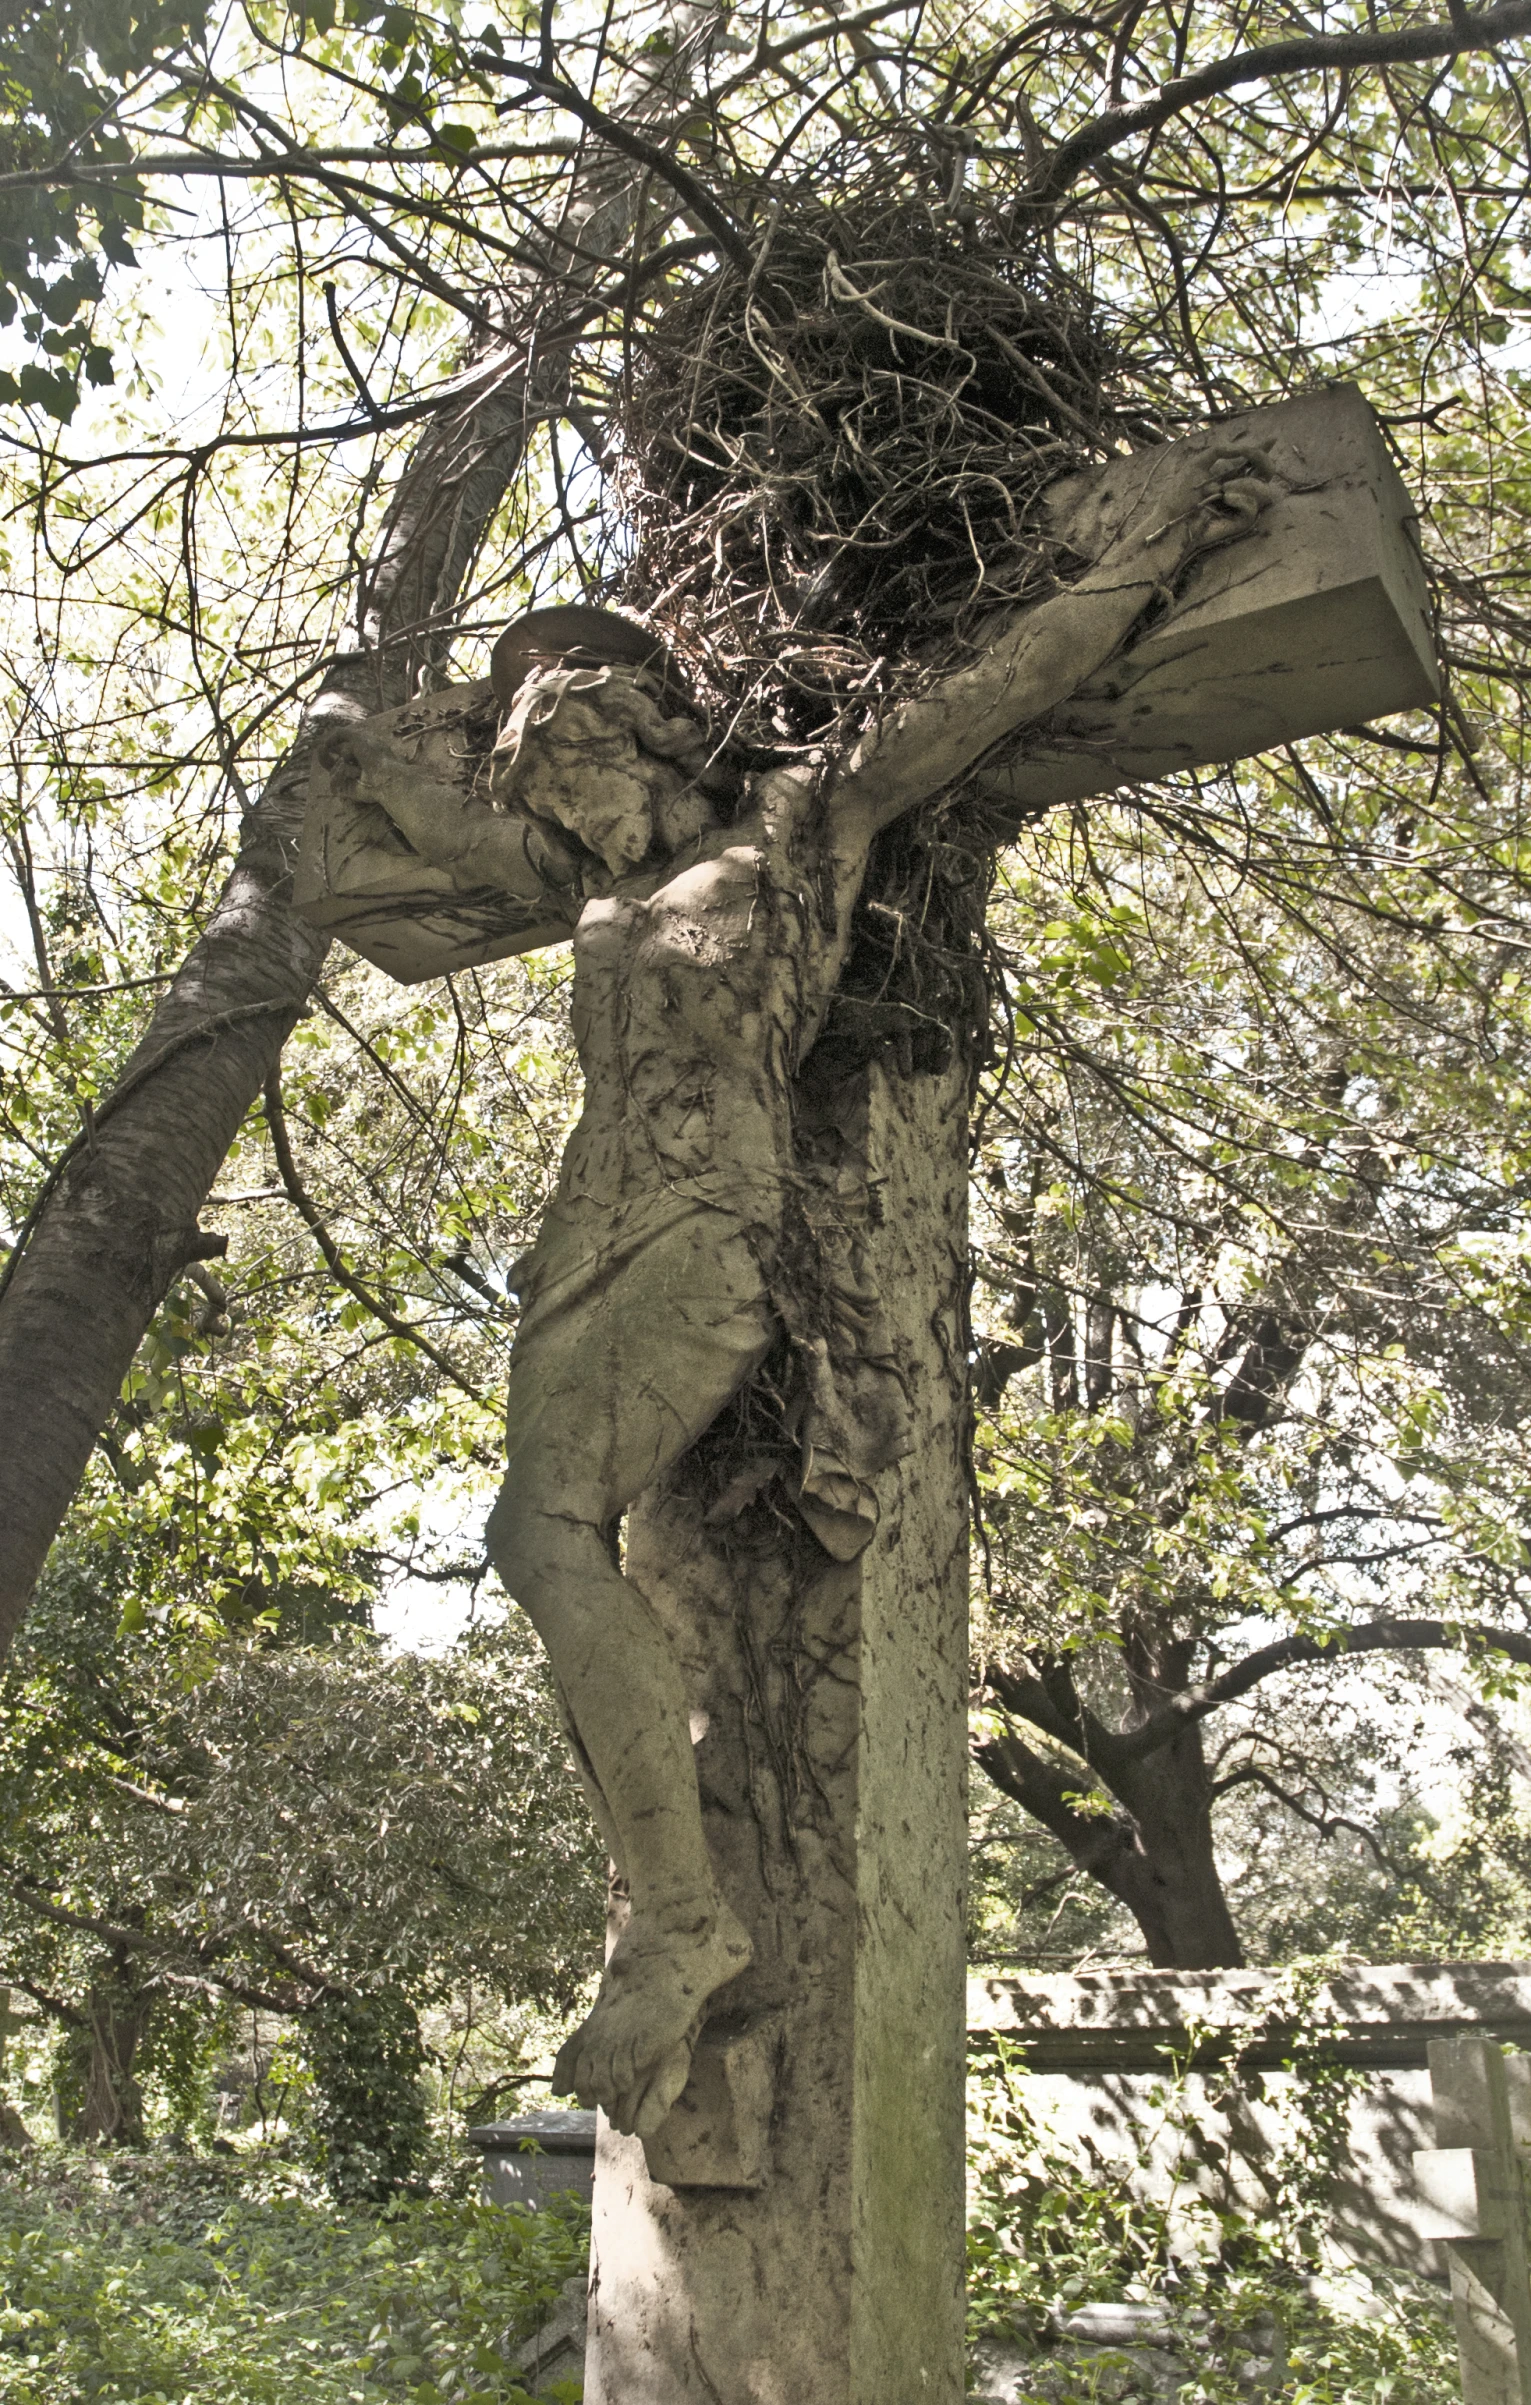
x=14, y=2134
x=120, y=1221
x=101, y=2103
x=1175, y=1890
x=1153, y=1852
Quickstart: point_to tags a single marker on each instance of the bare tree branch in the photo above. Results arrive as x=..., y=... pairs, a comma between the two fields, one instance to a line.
x=408, y=1331
x=1305, y=54
x=1290, y=1653
x=545, y=83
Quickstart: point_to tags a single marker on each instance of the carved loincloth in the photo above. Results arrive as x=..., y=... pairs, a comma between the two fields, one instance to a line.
x=847, y=1407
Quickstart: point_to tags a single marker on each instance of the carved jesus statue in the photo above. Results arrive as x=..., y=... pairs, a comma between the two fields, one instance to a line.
x=709, y=930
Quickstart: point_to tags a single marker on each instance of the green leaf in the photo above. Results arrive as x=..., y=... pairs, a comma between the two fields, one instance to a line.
x=55, y=394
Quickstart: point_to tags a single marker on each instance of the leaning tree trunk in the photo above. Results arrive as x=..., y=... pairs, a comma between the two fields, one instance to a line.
x=119, y=1219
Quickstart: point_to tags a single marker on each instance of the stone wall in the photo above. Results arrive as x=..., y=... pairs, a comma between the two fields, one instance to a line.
x=1183, y=2081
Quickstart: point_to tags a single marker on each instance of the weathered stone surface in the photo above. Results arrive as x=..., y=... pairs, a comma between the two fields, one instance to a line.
x=829, y=1697
x=1372, y=2012
x=358, y=875
x=717, y=2134
x=1319, y=618
x=557, y=2350
x=448, y=833
x=1474, y=2185
x=535, y=2157
x=1099, y=2046
x=1118, y=2354
x=796, y=2231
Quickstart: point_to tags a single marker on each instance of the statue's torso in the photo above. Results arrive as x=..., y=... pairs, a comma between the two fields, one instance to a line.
x=686, y=1010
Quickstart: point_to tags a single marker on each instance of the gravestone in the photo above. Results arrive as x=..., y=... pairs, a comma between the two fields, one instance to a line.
x=556, y=2351
x=536, y=2157
x=793, y=2229
x=1474, y=2182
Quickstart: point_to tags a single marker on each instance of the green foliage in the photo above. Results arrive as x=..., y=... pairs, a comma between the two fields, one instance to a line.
x=364, y=2057
x=165, y=2281
x=189, y=1820
x=1250, y=1229
x=1269, y=1031
x=65, y=70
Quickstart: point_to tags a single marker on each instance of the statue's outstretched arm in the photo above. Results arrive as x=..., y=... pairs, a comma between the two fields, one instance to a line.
x=446, y=824
x=1173, y=503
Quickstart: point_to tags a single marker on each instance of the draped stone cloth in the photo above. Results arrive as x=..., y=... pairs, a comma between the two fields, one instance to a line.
x=590, y=749
x=685, y=1150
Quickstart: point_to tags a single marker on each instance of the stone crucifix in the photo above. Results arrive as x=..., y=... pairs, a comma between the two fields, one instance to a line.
x=776, y=2044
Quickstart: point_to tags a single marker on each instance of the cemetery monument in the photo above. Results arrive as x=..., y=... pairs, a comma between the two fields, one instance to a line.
x=742, y=1333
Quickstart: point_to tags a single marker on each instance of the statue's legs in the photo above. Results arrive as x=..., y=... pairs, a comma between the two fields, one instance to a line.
x=603, y=1399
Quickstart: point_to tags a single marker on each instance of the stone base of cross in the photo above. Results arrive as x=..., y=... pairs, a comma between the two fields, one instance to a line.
x=792, y=2230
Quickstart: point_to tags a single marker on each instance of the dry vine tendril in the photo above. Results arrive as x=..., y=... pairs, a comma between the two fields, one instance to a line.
x=833, y=460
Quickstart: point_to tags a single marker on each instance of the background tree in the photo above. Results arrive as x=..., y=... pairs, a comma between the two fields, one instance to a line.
x=1253, y=1213
x=283, y=1818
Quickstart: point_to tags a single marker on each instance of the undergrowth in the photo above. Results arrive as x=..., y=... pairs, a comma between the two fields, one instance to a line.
x=157, y=2280
x=164, y=2279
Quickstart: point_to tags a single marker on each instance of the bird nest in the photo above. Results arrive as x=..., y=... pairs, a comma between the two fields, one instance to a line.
x=832, y=460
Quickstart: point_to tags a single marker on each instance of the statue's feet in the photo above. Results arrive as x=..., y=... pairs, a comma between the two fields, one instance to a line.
x=631, y=2055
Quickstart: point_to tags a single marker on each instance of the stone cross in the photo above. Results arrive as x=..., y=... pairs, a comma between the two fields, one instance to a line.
x=779, y=2173
x=1474, y=2182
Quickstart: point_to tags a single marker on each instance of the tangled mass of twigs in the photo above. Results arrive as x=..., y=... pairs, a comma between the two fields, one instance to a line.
x=832, y=460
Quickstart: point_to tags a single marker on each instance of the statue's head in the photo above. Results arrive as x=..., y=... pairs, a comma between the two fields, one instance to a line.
x=573, y=636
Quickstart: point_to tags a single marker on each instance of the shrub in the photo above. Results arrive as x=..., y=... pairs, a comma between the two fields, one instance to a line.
x=1047, y=2234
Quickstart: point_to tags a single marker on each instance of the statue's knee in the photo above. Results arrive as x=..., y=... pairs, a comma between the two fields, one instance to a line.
x=534, y=1547
x=507, y=1534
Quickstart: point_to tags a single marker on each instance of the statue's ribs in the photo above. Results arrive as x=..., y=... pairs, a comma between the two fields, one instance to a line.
x=1318, y=618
